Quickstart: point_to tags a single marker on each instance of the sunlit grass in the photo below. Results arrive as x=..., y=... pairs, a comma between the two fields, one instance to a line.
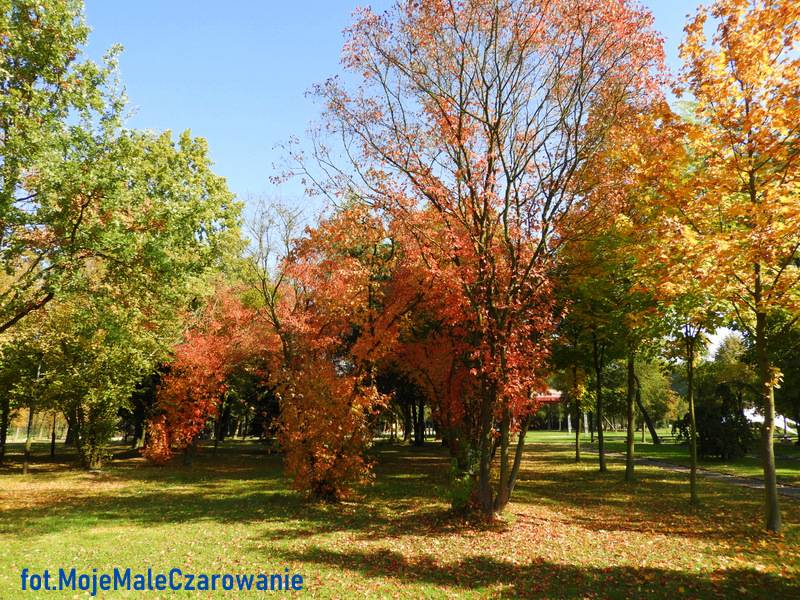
x=787, y=455
x=571, y=532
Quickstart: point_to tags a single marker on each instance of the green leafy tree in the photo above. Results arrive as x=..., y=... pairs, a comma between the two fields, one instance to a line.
x=95, y=353
x=44, y=90
x=155, y=221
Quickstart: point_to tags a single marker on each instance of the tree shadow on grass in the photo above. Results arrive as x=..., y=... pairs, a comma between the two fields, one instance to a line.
x=598, y=501
x=543, y=579
x=122, y=457
x=408, y=499
x=280, y=514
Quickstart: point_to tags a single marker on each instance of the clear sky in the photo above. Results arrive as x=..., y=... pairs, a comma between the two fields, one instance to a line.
x=235, y=71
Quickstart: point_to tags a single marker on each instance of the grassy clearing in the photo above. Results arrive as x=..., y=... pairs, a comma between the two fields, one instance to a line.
x=787, y=456
x=571, y=533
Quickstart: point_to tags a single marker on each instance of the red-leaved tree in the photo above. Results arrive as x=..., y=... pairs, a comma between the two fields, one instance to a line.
x=468, y=129
x=225, y=337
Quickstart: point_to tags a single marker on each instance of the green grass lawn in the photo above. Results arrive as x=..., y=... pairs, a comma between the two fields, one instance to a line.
x=570, y=532
x=787, y=456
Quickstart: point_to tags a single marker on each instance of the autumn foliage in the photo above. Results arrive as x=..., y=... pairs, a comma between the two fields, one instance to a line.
x=225, y=337
x=303, y=343
x=501, y=166
x=468, y=133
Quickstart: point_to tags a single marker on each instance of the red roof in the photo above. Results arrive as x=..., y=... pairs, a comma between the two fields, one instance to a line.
x=551, y=396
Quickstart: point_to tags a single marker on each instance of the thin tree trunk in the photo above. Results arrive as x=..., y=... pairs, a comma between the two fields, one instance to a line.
x=645, y=416
x=576, y=404
x=419, y=428
x=71, y=438
x=690, y=348
x=412, y=423
x=28, y=438
x=512, y=478
x=5, y=407
x=31, y=411
x=629, y=446
x=773, y=514
x=598, y=371
x=53, y=438
x=218, y=425
x=503, y=492
x=485, y=499
x=138, y=434
x=78, y=437
x=405, y=413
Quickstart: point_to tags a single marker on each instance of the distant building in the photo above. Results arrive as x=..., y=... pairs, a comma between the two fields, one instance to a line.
x=551, y=396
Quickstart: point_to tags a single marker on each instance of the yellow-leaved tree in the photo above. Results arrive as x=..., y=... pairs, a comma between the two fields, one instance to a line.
x=742, y=207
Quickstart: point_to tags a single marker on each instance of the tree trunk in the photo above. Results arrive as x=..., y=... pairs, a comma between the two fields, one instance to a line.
x=139, y=443
x=53, y=438
x=405, y=411
x=78, y=441
x=72, y=428
x=223, y=422
x=629, y=446
x=503, y=493
x=485, y=499
x=5, y=417
x=690, y=347
x=31, y=412
x=225, y=419
x=94, y=462
x=645, y=416
x=598, y=371
x=217, y=435
x=506, y=490
x=419, y=426
x=412, y=422
x=773, y=514
x=138, y=434
x=28, y=438
x=576, y=407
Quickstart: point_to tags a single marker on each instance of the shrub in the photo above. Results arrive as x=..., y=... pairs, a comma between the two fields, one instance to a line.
x=721, y=432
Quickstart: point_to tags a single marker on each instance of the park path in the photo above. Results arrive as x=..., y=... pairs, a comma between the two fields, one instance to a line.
x=789, y=491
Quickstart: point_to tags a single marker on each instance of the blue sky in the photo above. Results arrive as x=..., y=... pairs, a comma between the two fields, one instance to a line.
x=235, y=72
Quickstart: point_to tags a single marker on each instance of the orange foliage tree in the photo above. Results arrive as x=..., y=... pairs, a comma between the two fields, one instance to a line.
x=329, y=398
x=224, y=338
x=468, y=130
x=742, y=208
x=324, y=297
x=318, y=298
